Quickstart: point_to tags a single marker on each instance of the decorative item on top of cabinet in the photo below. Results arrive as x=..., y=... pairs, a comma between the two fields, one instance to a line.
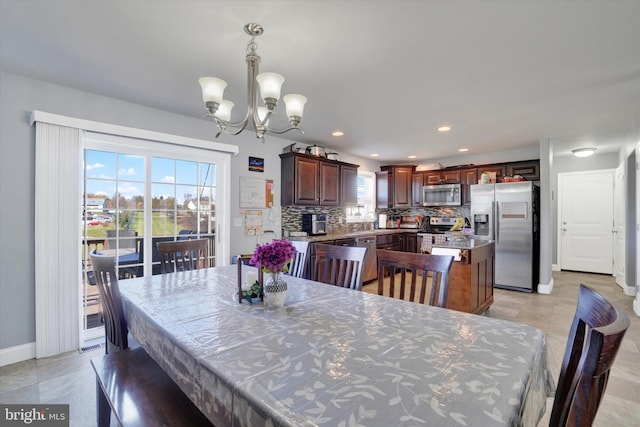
x=499, y=170
x=393, y=186
x=312, y=181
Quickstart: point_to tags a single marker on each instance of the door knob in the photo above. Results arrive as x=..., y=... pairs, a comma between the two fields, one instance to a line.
x=564, y=229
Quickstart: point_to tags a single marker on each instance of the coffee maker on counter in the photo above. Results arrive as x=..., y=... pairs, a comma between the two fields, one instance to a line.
x=314, y=224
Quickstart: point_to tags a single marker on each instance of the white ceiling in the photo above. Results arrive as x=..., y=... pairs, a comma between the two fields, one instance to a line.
x=503, y=73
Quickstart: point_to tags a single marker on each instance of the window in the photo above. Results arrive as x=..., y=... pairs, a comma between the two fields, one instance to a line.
x=365, y=209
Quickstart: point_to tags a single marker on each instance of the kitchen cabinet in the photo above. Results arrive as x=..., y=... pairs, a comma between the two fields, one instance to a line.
x=468, y=177
x=409, y=242
x=442, y=177
x=471, y=279
x=529, y=170
x=313, y=181
x=349, y=185
x=389, y=241
x=417, y=182
x=344, y=242
x=393, y=186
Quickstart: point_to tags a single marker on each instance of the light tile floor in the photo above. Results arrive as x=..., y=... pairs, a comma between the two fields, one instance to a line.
x=68, y=378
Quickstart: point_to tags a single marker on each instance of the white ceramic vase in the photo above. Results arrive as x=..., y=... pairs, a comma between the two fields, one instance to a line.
x=275, y=290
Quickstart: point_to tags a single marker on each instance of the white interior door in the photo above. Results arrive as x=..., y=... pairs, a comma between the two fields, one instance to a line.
x=619, y=209
x=586, y=221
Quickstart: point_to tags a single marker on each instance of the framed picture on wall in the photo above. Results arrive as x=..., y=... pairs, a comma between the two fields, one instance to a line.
x=256, y=164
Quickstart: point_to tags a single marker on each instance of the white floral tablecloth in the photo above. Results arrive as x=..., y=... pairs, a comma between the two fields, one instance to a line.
x=335, y=357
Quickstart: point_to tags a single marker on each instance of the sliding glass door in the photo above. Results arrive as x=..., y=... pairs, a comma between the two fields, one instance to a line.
x=135, y=194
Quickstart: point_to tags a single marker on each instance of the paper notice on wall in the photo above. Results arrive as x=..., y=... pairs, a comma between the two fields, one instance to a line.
x=253, y=192
x=253, y=224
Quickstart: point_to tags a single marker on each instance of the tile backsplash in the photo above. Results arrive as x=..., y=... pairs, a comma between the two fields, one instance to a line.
x=337, y=217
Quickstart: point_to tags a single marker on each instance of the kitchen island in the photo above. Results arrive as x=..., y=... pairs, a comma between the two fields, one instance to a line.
x=472, y=275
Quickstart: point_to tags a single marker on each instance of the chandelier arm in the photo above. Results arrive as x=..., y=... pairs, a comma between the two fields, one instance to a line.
x=281, y=131
x=223, y=123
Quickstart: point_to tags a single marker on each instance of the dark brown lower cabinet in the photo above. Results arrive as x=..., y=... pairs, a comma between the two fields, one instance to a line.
x=471, y=280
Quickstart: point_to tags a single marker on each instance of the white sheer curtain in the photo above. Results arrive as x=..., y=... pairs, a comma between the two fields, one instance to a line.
x=57, y=233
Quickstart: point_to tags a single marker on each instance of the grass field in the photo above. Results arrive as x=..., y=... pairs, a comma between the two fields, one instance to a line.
x=162, y=225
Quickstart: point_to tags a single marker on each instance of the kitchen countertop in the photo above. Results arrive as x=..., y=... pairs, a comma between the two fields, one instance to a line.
x=463, y=244
x=354, y=234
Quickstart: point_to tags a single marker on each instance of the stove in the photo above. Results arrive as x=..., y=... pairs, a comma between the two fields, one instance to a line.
x=433, y=231
x=439, y=224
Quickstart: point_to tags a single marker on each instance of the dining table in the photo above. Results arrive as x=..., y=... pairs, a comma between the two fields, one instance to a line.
x=335, y=357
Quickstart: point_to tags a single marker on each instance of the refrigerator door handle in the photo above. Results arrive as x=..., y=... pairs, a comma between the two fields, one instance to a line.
x=497, y=221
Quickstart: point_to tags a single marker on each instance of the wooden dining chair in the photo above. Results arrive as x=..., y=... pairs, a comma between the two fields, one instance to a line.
x=595, y=336
x=419, y=274
x=183, y=255
x=104, y=272
x=339, y=265
x=298, y=266
x=152, y=397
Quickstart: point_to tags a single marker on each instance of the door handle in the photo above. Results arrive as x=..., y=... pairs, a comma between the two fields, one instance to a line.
x=564, y=229
x=614, y=231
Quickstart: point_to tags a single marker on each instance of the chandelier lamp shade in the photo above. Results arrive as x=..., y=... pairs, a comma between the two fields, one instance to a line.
x=269, y=86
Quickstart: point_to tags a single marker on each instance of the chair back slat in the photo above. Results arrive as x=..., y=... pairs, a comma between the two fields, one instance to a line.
x=594, y=339
x=183, y=255
x=104, y=269
x=418, y=274
x=339, y=265
x=298, y=266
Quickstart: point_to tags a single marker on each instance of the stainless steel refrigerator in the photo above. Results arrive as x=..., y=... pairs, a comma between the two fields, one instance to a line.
x=507, y=213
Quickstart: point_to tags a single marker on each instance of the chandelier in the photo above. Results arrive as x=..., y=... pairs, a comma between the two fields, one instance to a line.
x=219, y=109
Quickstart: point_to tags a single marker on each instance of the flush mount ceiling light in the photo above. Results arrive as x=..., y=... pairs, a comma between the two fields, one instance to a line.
x=583, y=152
x=219, y=109
x=337, y=133
x=445, y=128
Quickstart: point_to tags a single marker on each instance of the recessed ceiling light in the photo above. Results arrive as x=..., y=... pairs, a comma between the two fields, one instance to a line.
x=444, y=128
x=413, y=156
x=337, y=133
x=462, y=150
x=374, y=155
x=583, y=152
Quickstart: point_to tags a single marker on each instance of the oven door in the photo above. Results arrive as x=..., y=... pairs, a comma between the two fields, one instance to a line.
x=441, y=195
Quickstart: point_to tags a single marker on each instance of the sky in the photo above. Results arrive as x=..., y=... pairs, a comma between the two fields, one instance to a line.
x=108, y=171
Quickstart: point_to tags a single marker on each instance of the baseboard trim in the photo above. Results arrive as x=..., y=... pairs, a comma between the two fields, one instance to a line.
x=636, y=305
x=17, y=354
x=545, y=289
x=555, y=267
x=629, y=291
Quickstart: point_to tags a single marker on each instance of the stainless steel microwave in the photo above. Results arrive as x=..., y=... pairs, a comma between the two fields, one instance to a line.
x=442, y=195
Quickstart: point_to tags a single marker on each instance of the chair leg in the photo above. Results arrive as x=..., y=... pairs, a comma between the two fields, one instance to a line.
x=103, y=408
